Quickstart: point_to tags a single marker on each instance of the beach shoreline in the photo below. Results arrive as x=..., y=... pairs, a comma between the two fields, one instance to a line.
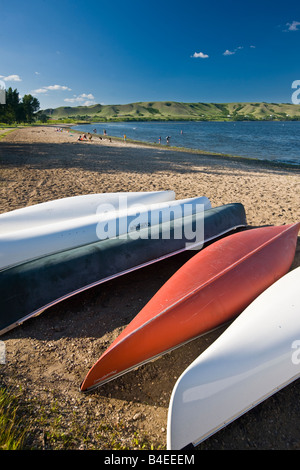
x=48, y=356
x=276, y=163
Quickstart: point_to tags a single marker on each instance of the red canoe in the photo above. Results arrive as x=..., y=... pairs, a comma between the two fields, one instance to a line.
x=212, y=288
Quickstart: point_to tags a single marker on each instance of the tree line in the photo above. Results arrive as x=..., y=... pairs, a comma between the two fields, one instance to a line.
x=18, y=110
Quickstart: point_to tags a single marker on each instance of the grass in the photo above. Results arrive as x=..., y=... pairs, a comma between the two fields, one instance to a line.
x=12, y=433
x=31, y=425
x=171, y=110
x=3, y=134
x=78, y=434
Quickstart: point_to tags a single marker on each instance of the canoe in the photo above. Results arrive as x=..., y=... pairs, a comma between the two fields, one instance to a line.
x=32, y=243
x=209, y=290
x=257, y=355
x=29, y=288
x=69, y=208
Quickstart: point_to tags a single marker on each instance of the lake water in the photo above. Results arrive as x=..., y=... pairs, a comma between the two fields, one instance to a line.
x=279, y=141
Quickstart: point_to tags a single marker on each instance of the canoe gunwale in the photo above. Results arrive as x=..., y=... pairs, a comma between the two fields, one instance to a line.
x=202, y=286
x=38, y=311
x=250, y=254
x=242, y=368
x=153, y=358
x=198, y=441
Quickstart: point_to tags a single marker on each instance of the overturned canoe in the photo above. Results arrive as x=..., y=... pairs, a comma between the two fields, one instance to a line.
x=210, y=289
x=257, y=355
x=29, y=288
x=74, y=207
x=31, y=243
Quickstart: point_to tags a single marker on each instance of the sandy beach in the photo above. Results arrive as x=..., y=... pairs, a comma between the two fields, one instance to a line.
x=48, y=356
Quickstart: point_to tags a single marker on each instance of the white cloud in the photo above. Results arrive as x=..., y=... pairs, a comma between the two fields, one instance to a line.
x=88, y=103
x=45, y=89
x=89, y=96
x=227, y=52
x=40, y=90
x=11, y=78
x=200, y=55
x=72, y=100
x=293, y=26
x=57, y=87
x=84, y=99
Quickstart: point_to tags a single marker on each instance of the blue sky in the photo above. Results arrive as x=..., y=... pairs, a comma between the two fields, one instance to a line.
x=70, y=53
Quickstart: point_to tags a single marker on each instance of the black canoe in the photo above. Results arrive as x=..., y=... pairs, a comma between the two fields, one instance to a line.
x=28, y=289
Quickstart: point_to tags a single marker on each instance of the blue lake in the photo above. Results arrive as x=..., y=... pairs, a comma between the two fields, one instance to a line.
x=266, y=140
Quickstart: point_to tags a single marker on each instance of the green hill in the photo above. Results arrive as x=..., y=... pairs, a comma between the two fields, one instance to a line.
x=172, y=110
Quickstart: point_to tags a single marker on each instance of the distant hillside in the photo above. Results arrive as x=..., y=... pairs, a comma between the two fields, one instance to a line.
x=171, y=110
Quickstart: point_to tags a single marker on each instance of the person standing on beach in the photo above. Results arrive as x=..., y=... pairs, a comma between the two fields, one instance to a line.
x=168, y=139
x=159, y=140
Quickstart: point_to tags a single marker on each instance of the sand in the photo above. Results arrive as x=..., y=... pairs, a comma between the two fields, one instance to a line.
x=48, y=357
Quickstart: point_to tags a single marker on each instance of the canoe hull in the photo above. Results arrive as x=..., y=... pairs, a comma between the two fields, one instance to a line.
x=254, y=358
x=199, y=298
x=69, y=208
x=32, y=243
x=30, y=288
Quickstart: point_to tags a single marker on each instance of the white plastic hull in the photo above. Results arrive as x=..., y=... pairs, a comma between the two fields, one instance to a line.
x=32, y=243
x=258, y=354
x=69, y=208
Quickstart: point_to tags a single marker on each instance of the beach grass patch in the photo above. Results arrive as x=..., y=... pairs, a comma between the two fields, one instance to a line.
x=11, y=429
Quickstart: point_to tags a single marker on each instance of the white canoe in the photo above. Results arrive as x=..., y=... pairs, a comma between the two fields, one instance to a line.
x=32, y=243
x=69, y=208
x=257, y=355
